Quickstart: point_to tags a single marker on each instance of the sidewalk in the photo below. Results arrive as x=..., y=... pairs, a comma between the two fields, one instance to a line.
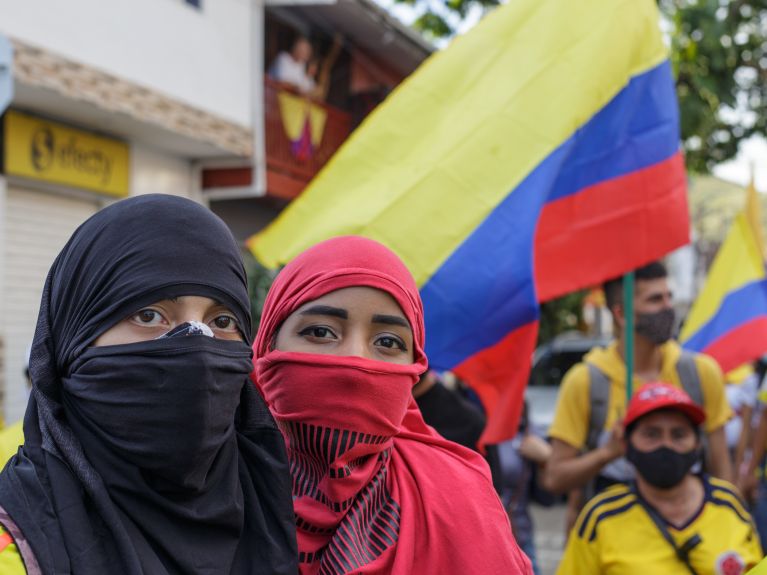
x=549, y=536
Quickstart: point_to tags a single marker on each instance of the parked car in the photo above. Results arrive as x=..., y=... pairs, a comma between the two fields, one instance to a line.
x=550, y=364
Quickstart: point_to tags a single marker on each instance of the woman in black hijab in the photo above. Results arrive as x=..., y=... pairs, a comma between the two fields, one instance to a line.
x=148, y=451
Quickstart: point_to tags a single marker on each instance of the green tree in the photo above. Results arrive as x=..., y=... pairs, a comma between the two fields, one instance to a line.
x=561, y=314
x=260, y=279
x=437, y=19
x=719, y=54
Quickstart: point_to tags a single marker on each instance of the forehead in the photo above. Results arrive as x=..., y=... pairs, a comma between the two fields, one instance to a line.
x=664, y=418
x=652, y=286
x=360, y=300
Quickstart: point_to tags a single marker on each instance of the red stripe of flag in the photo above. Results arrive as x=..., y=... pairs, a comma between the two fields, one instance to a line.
x=499, y=376
x=593, y=235
x=746, y=340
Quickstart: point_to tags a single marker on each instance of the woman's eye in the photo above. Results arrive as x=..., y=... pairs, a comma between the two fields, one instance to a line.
x=224, y=323
x=148, y=317
x=391, y=342
x=317, y=332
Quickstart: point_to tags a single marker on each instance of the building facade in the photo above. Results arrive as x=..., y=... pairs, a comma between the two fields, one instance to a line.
x=113, y=99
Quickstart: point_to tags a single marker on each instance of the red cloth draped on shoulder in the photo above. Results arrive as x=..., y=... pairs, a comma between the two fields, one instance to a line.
x=375, y=489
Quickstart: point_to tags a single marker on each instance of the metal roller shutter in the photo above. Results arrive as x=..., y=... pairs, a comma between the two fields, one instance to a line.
x=37, y=226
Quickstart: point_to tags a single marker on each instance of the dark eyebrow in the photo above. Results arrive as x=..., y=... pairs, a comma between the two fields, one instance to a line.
x=175, y=299
x=326, y=310
x=390, y=320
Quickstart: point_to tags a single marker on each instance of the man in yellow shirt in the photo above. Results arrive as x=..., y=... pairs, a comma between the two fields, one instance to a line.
x=583, y=450
x=669, y=520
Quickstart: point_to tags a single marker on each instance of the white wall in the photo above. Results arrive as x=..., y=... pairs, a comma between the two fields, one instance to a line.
x=153, y=172
x=201, y=57
x=681, y=269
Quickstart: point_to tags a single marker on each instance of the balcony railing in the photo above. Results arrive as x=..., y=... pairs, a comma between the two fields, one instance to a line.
x=281, y=155
x=289, y=169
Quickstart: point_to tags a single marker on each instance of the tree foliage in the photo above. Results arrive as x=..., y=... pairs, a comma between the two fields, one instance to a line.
x=719, y=57
x=260, y=279
x=438, y=18
x=560, y=315
x=718, y=53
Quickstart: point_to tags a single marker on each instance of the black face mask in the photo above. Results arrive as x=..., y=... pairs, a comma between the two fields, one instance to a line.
x=657, y=327
x=119, y=396
x=663, y=468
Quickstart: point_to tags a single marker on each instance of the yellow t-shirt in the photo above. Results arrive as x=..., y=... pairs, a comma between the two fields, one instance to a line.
x=614, y=535
x=10, y=439
x=571, y=418
x=10, y=558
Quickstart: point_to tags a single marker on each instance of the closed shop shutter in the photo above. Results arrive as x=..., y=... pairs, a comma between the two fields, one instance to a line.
x=37, y=226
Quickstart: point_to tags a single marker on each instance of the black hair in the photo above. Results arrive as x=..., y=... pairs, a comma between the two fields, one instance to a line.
x=613, y=288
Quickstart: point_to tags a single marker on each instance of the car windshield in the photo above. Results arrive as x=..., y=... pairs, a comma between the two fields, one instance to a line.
x=551, y=368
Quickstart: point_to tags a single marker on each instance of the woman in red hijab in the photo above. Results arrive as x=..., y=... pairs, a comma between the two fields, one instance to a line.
x=375, y=489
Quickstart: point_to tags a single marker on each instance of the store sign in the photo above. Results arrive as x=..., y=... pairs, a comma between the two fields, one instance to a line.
x=43, y=150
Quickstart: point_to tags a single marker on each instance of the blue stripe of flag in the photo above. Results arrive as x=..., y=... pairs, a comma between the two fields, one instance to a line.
x=738, y=308
x=485, y=290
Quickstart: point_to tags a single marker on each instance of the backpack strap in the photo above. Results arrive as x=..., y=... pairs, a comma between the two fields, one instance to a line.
x=689, y=377
x=599, y=395
x=682, y=553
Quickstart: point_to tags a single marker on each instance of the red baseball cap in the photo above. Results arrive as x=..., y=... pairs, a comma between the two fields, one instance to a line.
x=654, y=396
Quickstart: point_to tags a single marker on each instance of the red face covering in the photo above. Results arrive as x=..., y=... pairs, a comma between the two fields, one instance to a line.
x=375, y=489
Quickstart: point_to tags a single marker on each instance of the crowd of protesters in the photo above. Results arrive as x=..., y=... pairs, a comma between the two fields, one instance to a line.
x=161, y=438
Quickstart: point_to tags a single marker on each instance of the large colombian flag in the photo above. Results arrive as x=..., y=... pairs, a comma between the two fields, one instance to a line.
x=537, y=155
x=728, y=320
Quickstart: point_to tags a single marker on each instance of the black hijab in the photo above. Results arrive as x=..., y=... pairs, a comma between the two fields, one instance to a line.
x=153, y=457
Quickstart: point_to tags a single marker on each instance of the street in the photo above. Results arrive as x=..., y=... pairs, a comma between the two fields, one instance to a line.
x=549, y=536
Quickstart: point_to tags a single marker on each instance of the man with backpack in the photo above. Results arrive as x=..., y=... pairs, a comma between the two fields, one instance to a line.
x=669, y=519
x=587, y=433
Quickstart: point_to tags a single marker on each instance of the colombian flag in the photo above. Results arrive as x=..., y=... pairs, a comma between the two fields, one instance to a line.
x=729, y=319
x=537, y=155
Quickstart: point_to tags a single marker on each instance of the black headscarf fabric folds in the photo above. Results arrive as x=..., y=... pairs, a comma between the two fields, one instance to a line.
x=153, y=457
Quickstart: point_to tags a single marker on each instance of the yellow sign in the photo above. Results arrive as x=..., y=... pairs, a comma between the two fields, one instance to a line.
x=48, y=151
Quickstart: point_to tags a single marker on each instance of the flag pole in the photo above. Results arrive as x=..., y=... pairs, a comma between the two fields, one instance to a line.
x=628, y=333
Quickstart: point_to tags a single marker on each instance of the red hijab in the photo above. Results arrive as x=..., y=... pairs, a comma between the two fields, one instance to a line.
x=375, y=489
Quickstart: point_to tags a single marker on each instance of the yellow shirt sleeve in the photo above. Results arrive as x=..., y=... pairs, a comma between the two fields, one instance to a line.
x=718, y=410
x=10, y=439
x=760, y=569
x=10, y=558
x=580, y=557
x=571, y=418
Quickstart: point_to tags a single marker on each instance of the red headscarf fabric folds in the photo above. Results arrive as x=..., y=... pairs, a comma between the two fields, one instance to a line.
x=375, y=489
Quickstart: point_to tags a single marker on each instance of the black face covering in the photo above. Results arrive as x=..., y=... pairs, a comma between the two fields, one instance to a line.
x=658, y=327
x=663, y=468
x=119, y=396
x=155, y=457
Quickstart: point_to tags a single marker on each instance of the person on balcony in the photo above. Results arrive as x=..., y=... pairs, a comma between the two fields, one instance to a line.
x=310, y=76
x=291, y=67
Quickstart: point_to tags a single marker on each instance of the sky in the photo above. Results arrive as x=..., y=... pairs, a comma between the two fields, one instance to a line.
x=753, y=152
x=407, y=14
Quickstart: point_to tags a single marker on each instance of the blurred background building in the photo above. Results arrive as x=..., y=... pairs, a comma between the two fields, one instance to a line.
x=113, y=99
